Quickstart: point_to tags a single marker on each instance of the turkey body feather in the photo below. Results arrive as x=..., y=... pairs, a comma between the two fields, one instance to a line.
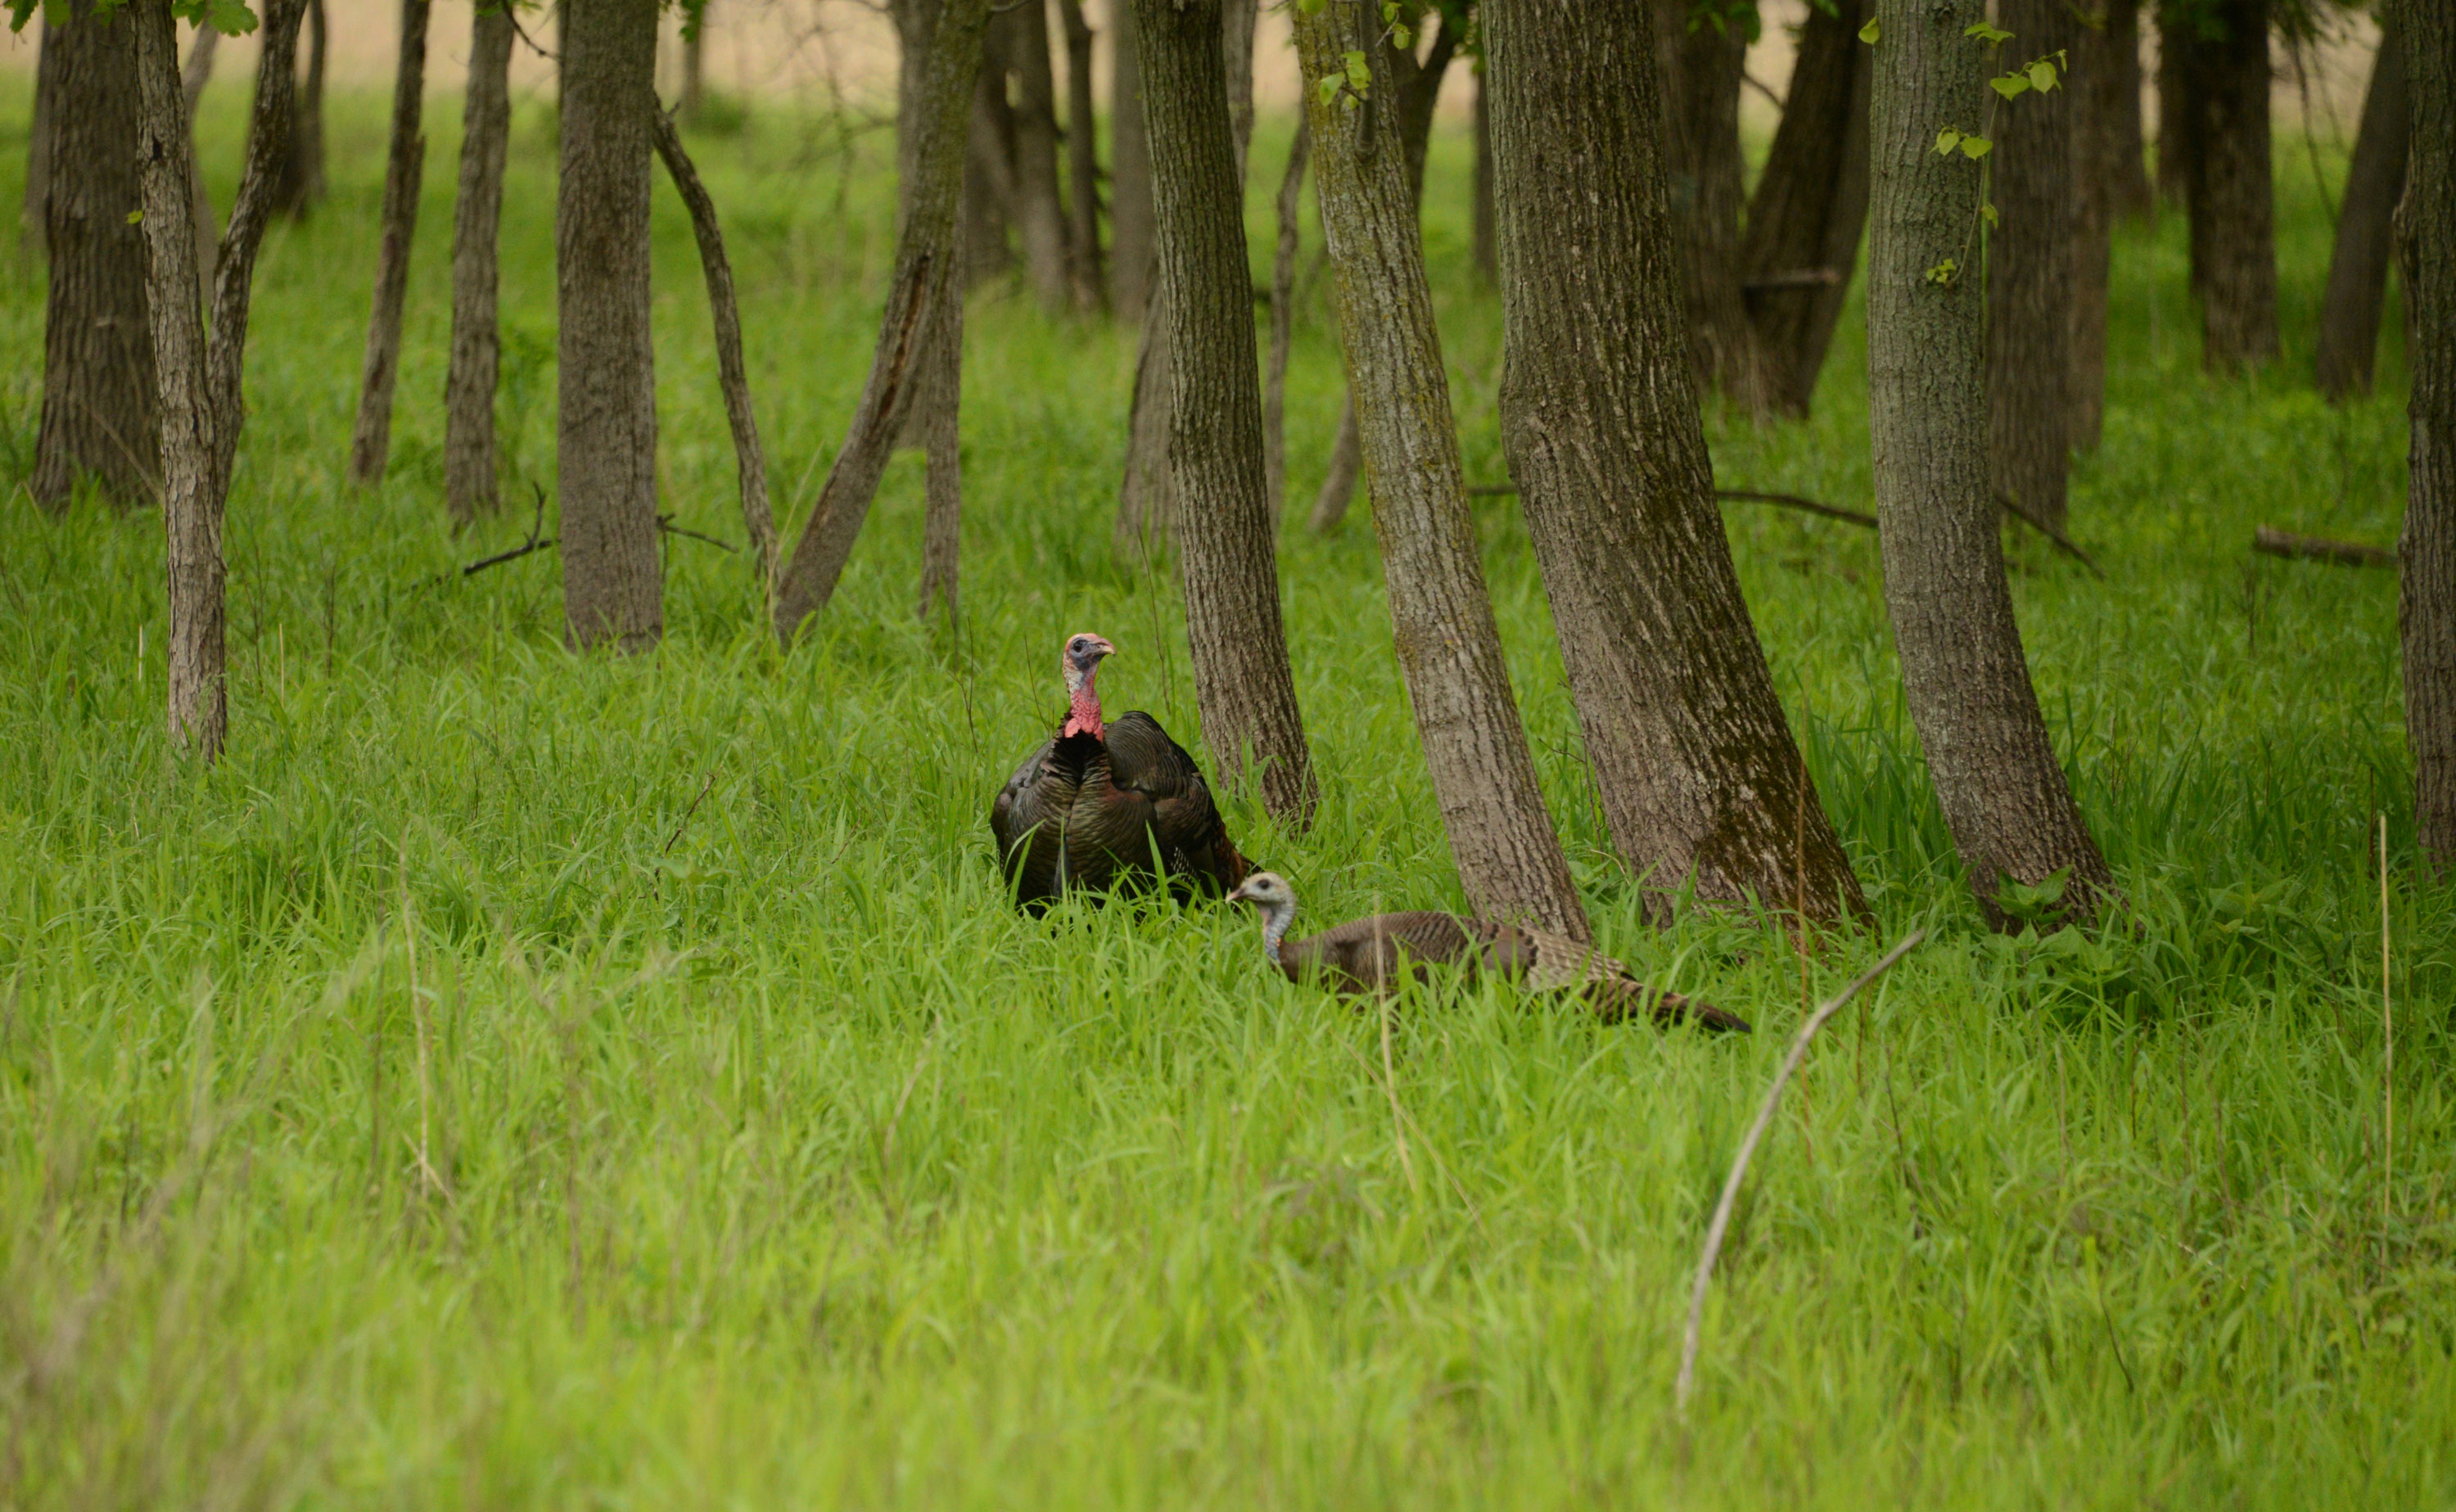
x=1096, y=810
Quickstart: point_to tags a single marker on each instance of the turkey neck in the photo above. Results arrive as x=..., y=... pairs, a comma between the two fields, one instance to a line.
x=1082, y=707
x=1275, y=929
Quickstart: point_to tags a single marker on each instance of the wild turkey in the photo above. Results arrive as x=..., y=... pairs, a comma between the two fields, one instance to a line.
x=1102, y=803
x=1363, y=955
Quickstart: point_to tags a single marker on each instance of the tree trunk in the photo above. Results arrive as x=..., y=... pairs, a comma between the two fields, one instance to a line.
x=101, y=407
x=1486, y=234
x=1347, y=466
x=693, y=99
x=1131, y=244
x=2428, y=34
x=207, y=236
x=1809, y=209
x=1284, y=288
x=1244, y=687
x=2349, y=313
x=1967, y=682
x=733, y=377
x=1040, y=211
x=1089, y=280
x=2029, y=272
x=300, y=189
x=933, y=420
x=2095, y=82
x=469, y=483
x=1700, y=781
x=989, y=199
x=1700, y=61
x=2179, y=104
x=34, y=226
x=198, y=365
x=2127, y=185
x=1237, y=20
x=925, y=275
x=2234, y=219
x=605, y=442
x=1449, y=648
x=371, y=443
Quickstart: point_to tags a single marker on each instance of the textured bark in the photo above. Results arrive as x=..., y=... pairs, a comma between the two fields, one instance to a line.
x=1284, y=288
x=1486, y=232
x=1242, y=684
x=2427, y=28
x=1700, y=64
x=2349, y=312
x=404, y=167
x=198, y=73
x=933, y=420
x=1236, y=19
x=2232, y=201
x=1810, y=208
x=2127, y=184
x=32, y=225
x=1131, y=244
x=988, y=204
x=1967, y=681
x=732, y=375
x=1085, y=274
x=606, y=440
x=2029, y=272
x=199, y=366
x=301, y=187
x=1449, y=648
x=2095, y=82
x=469, y=483
x=1700, y=781
x=925, y=276
x=1039, y=210
x=101, y=408
x=693, y=98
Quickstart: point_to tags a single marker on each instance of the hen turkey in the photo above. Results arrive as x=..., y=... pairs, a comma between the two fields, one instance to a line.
x=1102, y=803
x=1366, y=954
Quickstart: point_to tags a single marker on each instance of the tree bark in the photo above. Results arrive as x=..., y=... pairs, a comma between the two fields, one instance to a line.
x=1040, y=211
x=371, y=442
x=989, y=199
x=2234, y=222
x=1701, y=62
x=301, y=188
x=1966, y=680
x=1284, y=288
x=2349, y=312
x=1449, y=648
x=1229, y=574
x=733, y=377
x=933, y=420
x=2028, y=271
x=1131, y=244
x=198, y=366
x=2127, y=185
x=1339, y=481
x=2178, y=103
x=693, y=99
x=469, y=483
x=206, y=235
x=2427, y=551
x=1237, y=20
x=101, y=406
x=925, y=274
x=1809, y=209
x=1085, y=273
x=605, y=442
x=1486, y=230
x=1700, y=783
x=33, y=225
x=2094, y=83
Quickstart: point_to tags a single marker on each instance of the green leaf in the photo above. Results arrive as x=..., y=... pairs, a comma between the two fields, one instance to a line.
x=1987, y=34
x=2010, y=85
x=1329, y=85
x=2042, y=76
x=1987, y=214
x=232, y=19
x=1402, y=37
x=136, y=217
x=1943, y=272
x=1868, y=33
x=1360, y=73
x=1311, y=8
x=1976, y=146
x=1947, y=140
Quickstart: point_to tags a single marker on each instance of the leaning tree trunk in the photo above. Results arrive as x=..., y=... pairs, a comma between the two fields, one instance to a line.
x=1245, y=691
x=1508, y=859
x=371, y=442
x=1700, y=781
x=469, y=483
x=2234, y=214
x=933, y=419
x=1283, y=290
x=2349, y=312
x=102, y=411
x=1810, y=208
x=925, y=275
x=1700, y=61
x=1486, y=237
x=1084, y=271
x=1131, y=242
x=1968, y=685
x=2127, y=185
x=2428, y=554
x=198, y=366
x=300, y=187
x=2095, y=81
x=605, y=442
x=2029, y=274
x=1040, y=210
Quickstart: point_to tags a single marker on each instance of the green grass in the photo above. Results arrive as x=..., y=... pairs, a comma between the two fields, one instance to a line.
x=774, y=1162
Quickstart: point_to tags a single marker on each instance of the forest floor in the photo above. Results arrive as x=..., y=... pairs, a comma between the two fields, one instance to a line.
x=520, y=1080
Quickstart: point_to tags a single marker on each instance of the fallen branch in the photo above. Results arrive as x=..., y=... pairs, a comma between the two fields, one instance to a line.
x=2318, y=548
x=665, y=523
x=535, y=543
x=2021, y=513
x=1746, y=494
x=1722, y=1223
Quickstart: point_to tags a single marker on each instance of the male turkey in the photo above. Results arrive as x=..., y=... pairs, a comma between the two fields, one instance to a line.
x=1101, y=803
x=1364, y=955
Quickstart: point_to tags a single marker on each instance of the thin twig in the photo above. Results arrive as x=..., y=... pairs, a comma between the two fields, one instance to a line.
x=1722, y=1222
x=665, y=523
x=2269, y=542
x=1753, y=496
x=2021, y=512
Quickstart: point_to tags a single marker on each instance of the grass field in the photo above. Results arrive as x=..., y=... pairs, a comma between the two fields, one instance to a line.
x=512, y=1078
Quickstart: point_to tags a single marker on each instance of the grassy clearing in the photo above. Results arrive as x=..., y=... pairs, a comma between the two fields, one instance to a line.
x=432, y=1104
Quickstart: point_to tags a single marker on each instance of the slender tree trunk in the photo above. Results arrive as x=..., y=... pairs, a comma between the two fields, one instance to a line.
x=605, y=442
x=694, y=100
x=101, y=406
x=206, y=235
x=300, y=187
x=1700, y=783
x=2428, y=555
x=1809, y=209
x=469, y=483
x=933, y=420
x=1486, y=229
x=2095, y=82
x=371, y=442
x=1346, y=467
x=2127, y=186
x=1284, y=288
x=1701, y=62
x=925, y=275
x=198, y=366
x=1449, y=648
x=34, y=224
x=990, y=193
x=1131, y=244
x=2233, y=224
x=2178, y=103
x=1968, y=684
x=1085, y=272
x=1040, y=211
x=2349, y=313
x=2028, y=274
